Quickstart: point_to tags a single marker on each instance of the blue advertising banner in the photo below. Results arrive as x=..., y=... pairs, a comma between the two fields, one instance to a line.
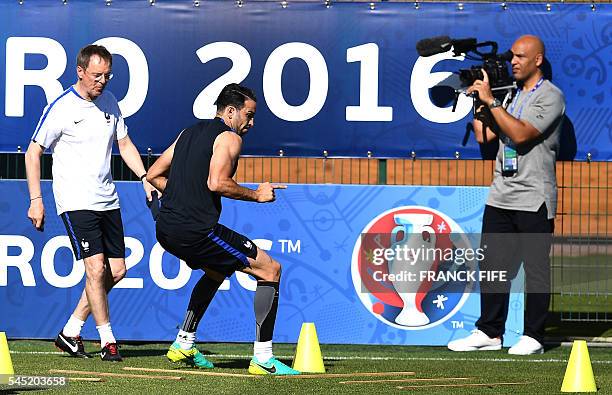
x=314, y=231
x=345, y=79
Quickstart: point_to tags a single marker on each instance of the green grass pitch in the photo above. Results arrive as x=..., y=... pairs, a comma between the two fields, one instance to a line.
x=543, y=373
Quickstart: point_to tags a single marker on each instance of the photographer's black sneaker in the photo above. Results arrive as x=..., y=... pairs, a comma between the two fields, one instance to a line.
x=110, y=352
x=71, y=345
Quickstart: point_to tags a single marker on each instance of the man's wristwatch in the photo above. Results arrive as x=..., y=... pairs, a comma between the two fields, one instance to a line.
x=495, y=103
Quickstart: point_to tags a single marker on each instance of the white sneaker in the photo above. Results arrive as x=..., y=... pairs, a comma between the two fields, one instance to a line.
x=477, y=341
x=526, y=346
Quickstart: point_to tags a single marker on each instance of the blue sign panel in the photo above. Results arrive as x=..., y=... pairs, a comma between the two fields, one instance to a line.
x=345, y=78
x=314, y=231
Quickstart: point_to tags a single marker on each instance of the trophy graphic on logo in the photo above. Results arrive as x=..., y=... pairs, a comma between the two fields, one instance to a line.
x=415, y=235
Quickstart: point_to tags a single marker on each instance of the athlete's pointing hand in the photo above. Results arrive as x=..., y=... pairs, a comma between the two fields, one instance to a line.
x=265, y=192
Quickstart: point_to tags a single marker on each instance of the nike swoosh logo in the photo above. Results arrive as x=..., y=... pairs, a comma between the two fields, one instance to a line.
x=103, y=354
x=269, y=370
x=77, y=122
x=74, y=348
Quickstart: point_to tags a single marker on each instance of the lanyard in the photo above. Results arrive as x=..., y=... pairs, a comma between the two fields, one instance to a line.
x=520, y=110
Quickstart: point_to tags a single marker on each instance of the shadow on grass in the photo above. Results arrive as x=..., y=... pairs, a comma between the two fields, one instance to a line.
x=231, y=364
x=131, y=353
x=244, y=363
x=551, y=346
x=19, y=390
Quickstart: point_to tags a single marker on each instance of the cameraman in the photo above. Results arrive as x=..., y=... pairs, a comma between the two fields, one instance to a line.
x=519, y=215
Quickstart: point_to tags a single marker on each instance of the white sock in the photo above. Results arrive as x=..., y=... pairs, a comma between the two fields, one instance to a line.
x=73, y=327
x=106, y=334
x=263, y=351
x=185, y=339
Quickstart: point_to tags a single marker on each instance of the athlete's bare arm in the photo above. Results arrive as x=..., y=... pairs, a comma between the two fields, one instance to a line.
x=226, y=152
x=157, y=175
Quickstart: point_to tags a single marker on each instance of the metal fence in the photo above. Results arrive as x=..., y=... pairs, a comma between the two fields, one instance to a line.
x=581, y=267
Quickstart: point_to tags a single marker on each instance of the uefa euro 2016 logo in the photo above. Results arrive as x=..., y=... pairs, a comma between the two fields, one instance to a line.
x=410, y=267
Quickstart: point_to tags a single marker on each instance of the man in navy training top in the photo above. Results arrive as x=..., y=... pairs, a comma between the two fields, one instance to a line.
x=194, y=173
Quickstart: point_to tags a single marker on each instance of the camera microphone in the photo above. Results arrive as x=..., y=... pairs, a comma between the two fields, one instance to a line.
x=434, y=45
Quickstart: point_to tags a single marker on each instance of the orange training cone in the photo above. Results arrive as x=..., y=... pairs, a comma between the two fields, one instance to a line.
x=6, y=366
x=308, y=358
x=579, y=372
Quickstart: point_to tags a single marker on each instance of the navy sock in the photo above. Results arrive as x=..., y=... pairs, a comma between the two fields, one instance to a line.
x=201, y=296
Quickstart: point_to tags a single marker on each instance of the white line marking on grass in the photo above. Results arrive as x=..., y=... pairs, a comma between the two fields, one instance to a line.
x=459, y=359
x=341, y=358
